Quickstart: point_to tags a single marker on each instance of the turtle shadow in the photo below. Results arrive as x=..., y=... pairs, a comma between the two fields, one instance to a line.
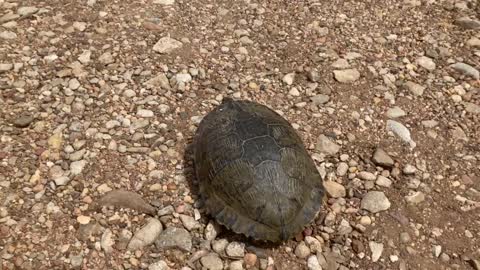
x=260, y=248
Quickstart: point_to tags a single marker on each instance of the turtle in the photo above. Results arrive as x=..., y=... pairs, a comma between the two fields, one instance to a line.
x=254, y=174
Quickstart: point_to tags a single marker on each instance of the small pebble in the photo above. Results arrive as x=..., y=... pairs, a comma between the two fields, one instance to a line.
x=235, y=249
x=83, y=220
x=346, y=75
x=409, y=169
x=376, y=249
x=302, y=251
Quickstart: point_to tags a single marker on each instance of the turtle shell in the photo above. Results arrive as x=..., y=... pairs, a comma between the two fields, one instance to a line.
x=255, y=174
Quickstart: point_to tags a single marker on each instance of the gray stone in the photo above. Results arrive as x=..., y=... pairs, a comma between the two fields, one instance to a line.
x=167, y=210
x=5, y=67
x=405, y=237
x=395, y=112
x=415, y=88
x=289, y=78
x=212, y=262
x=468, y=23
x=353, y=55
x=146, y=235
x=123, y=239
x=474, y=42
x=313, y=264
x=62, y=180
x=174, y=237
x=401, y=131
x=76, y=260
x=376, y=249
x=302, y=251
x=189, y=222
x=314, y=244
x=23, y=121
x=344, y=228
x=437, y=250
x=472, y=107
x=467, y=70
x=426, y=62
x=160, y=265
x=341, y=64
x=25, y=11
x=164, y=2
x=328, y=260
x=78, y=155
x=375, y=201
x=334, y=189
x=327, y=146
x=429, y=123
x=367, y=176
x=235, y=249
x=145, y=113
x=106, y=58
x=220, y=245
x=8, y=17
x=412, y=3
x=8, y=35
x=320, y=99
x=126, y=199
x=129, y=93
x=112, y=124
x=211, y=231
x=381, y=158
x=445, y=258
x=84, y=57
x=409, y=169
x=313, y=76
x=346, y=75
x=73, y=84
x=167, y=45
x=80, y=26
x=107, y=241
x=294, y=92
x=342, y=169
x=183, y=78
x=160, y=80
x=77, y=167
x=383, y=181
x=236, y=265
x=459, y=134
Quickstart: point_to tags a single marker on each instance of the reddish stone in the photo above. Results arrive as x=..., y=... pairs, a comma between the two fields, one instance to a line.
x=308, y=231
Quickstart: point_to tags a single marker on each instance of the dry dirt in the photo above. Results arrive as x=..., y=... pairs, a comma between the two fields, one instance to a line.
x=89, y=105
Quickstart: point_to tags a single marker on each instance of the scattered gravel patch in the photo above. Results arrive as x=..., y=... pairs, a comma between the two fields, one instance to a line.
x=99, y=105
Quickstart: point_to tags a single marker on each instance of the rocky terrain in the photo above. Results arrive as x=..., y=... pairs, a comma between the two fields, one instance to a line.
x=99, y=101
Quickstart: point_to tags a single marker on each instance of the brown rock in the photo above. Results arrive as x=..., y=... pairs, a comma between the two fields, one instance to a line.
x=358, y=246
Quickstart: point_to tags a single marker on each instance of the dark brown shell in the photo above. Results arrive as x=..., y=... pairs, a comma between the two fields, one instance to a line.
x=254, y=172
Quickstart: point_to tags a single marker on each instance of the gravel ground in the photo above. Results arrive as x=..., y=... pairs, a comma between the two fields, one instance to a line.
x=99, y=101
